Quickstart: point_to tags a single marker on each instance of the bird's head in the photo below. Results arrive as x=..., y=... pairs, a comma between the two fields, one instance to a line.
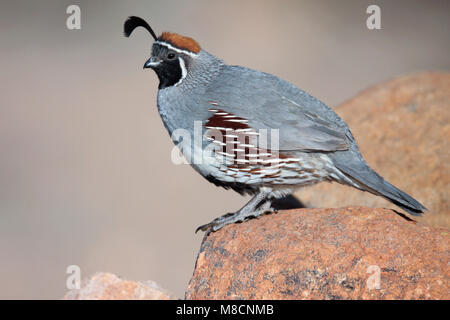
x=171, y=56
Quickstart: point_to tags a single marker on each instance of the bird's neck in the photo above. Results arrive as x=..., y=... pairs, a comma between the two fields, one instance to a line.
x=202, y=72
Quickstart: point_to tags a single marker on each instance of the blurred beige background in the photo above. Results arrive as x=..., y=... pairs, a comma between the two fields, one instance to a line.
x=85, y=170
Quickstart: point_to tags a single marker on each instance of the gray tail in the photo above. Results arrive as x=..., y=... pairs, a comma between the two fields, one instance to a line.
x=372, y=182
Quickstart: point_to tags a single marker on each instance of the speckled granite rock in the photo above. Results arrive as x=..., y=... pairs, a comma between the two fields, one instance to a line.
x=402, y=127
x=107, y=286
x=324, y=254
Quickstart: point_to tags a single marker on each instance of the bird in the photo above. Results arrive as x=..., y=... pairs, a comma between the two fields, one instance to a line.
x=235, y=108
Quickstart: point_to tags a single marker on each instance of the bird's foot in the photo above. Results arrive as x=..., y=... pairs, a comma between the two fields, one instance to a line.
x=229, y=218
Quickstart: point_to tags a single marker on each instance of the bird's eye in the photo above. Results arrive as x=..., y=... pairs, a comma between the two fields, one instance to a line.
x=171, y=56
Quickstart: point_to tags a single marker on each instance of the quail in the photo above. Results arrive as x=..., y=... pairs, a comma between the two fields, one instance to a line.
x=236, y=109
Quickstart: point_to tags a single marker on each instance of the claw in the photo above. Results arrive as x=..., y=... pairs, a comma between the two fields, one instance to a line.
x=216, y=224
x=229, y=218
x=203, y=227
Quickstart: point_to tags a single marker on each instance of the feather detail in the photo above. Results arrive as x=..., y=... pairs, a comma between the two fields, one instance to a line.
x=179, y=41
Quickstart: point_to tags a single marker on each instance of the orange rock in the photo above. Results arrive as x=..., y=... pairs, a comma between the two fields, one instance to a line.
x=107, y=286
x=403, y=130
x=350, y=253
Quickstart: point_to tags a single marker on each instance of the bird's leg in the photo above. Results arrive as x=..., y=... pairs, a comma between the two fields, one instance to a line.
x=258, y=205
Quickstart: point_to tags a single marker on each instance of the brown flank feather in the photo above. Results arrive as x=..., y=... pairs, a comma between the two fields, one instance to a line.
x=180, y=42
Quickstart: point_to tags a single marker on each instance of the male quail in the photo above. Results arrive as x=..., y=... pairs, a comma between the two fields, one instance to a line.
x=236, y=106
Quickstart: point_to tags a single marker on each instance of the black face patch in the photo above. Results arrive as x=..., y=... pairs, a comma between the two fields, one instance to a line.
x=169, y=71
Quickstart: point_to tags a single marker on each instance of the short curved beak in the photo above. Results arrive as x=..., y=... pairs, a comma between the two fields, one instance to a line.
x=152, y=62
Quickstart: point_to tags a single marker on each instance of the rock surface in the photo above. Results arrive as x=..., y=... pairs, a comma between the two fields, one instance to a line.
x=324, y=254
x=403, y=130
x=107, y=286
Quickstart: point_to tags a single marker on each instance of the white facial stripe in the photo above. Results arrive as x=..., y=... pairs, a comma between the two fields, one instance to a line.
x=183, y=71
x=183, y=68
x=168, y=45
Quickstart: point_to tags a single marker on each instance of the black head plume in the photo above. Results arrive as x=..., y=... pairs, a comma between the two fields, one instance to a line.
x=134, y=22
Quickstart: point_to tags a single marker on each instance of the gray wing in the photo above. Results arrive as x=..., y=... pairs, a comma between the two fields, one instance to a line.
x=304, y=123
